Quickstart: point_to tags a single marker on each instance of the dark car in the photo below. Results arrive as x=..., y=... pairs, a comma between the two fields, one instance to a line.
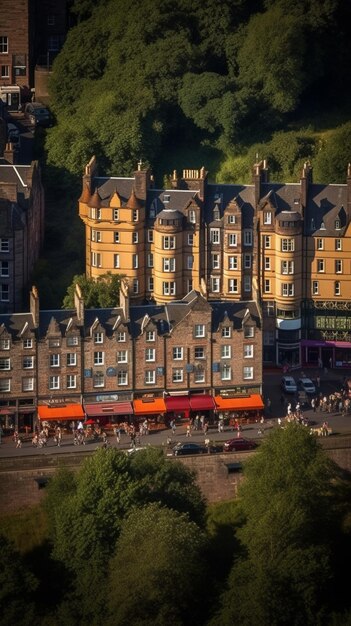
x=239, y=443
x=38, y=114
x=188, y=448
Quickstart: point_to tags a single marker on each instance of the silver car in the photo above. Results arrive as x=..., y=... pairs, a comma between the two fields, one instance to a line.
x=307, y=385
x=288, y=384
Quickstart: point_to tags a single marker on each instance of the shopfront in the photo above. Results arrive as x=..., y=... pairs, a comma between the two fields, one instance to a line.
x=248, y=407
x=60, y=412
x=178, y=407
x=326, y=353
x=202, y=404
x=153, y=409
x=109, y=412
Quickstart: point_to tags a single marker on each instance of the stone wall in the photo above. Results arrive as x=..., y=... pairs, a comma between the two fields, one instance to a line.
x=22, y=480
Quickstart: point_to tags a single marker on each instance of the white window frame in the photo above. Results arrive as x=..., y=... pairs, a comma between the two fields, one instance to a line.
x=116, y=261
x=226, y=351
x=267, y=263
x=233, y=285
x=315, y=287
x=190, y=262
x=226, y=331
x=71, y=359
x=96, y=259
x=27, y=343
x=267, y=217
x=54, y=360
x=135, y=237
x=248, y=351
x=338, y=244
x=231, y=219
x=135, y=261
x=5, y=385
x=178, y=353
x=150, y=259
x=150, y=355
x=190, y=239
x=4, y=44
x=199, y=330
x=150, y=283
x=226, y=372
x=150, y=236
x=232, y=240
x=71, y=381
x=122, y=378
x=116, y=236
x=135, y=286
x=4, y=293
x=288, y=290
x=249, y=332
x=168, y=242
x=98, y=337
x=320, y=243
x=267, y=285
x=28, y=363
x=199, y=375
x=320, y=266
x=168, y=264
x=177, y=375
x=337, y=288
x=247, y=261
x=115, y=215
x=192, y=216
x=150, y=335
x=5, y=364
x=54, y=382
x=121, y=336
x=72, y=341
x=169, y=288
x=215, y=284
x=199, y=352
x=98, y=379
x=99, y=357
x=248, y=372
x=27, y=384
x=338, y=266
x=288, y=244
x=233, y=262
x=215, y=237
x=4, y=244
x=122, y=356
x=4, y=269
x=287, y=267
x=150, y=377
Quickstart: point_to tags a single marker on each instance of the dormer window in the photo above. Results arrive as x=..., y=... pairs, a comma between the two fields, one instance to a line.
x=166, y=198
x=337, y=224
x=267, y=217
x=231, y=219
x=322, y=226
x=216, y=215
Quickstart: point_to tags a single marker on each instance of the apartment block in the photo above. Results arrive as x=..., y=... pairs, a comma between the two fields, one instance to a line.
x=286, y=246
x=95, y=357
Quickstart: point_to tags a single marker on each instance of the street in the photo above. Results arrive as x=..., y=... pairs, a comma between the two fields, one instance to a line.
x=330, y=382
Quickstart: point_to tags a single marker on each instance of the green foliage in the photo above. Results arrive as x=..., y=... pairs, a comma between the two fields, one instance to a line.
x=26, y=528
x=86, y=522
x=333, y=156
x=17, y=585
x=100, y=293
x=288, y=499
x=148, y=586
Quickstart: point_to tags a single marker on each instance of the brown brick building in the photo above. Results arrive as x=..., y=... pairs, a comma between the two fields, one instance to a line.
x=111, y=359
x=31, y=34
x=21, y=230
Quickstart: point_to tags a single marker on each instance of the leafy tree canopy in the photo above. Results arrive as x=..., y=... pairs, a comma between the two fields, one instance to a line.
x=162, y=585
x=158, y=65
x=100, y=293
x=290, y=501
x=17, y=585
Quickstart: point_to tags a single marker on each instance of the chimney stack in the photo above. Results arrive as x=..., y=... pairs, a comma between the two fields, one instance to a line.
x=34, y=305
x=79, y=303
x=124, y=299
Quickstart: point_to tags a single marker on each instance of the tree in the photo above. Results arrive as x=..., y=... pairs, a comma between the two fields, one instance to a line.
x=330, y=164
x=17, y=585
x=85, y=524
x=158, y=573
x=289, y=499
x=100, y=293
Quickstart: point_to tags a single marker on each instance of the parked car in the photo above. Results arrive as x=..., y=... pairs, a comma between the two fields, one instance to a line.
x=307, y=385
x=288, y=384
x=239, y=443
x=38, y=114
x=188, y=448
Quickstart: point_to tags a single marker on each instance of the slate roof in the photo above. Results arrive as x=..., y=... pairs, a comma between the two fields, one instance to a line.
x=235, y=312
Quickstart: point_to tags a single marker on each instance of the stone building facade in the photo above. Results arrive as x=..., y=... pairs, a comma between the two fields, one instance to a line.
x=94, y=356
x=285, y=246
x=21, y=230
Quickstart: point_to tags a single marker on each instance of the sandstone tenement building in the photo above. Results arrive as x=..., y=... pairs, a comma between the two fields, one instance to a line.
x=285, y=246
x=189, y=350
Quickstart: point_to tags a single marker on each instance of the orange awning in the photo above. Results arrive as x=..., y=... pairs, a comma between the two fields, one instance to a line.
x=63, y=412
x=149, y=406
x=249, y=403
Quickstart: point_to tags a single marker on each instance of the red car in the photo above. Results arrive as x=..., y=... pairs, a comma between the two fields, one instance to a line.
x=239, y=443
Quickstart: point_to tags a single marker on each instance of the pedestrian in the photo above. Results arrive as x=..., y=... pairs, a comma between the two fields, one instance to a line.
x=133, y=438
x=173, y=426
x=318, y=380
x=117, y=433
x=269, y=405
x=146, y=427
x=19, y=442
x=205, y=427
x=313, y=404
x=188, y=431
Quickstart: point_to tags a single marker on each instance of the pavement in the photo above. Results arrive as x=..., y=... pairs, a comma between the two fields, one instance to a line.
x=330, y=382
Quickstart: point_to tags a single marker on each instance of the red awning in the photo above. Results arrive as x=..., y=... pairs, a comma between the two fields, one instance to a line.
x=202, y=402
x=249, y=403
x=108, y=408
x=149, y=406
x=60, y=413
x=177, y=403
